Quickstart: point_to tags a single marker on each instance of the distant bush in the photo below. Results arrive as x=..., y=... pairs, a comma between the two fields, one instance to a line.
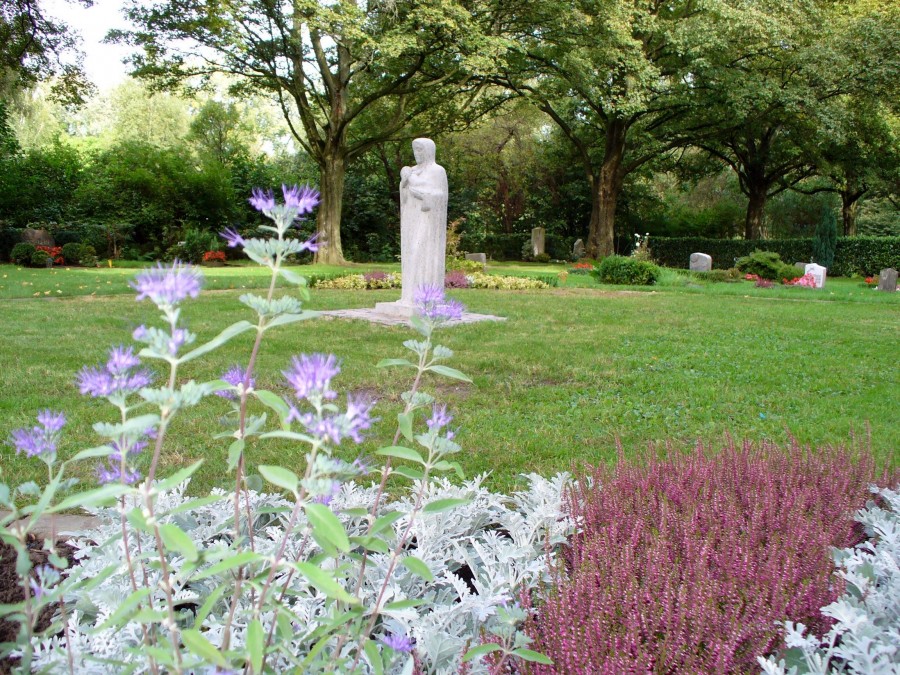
x=684, y=564
x=617, y=269
x=21, y=253
x=463, y=265
x=9, y=237
x=542, y=258
x=766, y=265
x=87, y=256
x=456, y=279
x=71, y=253
x=731, y=275
x=825, y=240
x=40, y=258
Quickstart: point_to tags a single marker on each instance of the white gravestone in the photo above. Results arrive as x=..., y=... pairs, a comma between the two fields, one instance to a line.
x=701, y=262
x=478, y=257
x=818, y=273
x=887, y=279
x=578, y=251
x=423, y=227
x=537, y=241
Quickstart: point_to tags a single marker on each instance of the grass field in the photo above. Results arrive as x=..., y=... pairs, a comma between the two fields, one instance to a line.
x=572, y=369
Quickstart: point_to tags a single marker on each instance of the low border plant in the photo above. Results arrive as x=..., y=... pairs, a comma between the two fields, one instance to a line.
x=323, y=575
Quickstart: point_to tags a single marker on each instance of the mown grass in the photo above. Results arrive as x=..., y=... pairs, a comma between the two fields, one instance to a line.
x=571, y=371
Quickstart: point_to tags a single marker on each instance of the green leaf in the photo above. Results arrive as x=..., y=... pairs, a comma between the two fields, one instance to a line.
x=373, y=544
x=229, y=563
x=255, y=645
x=531, y=655
x=408, y=472
x=327, y=525
x=90, y=453
x=98, y=497
x=273, y=401
x=289, y=435
x=202, y=648
x=234, y=453
x=417, y=566
x=195, y=504
x=137, y=519
x=405, y=423
x=481, y=650
x=402, y=604
x=447, y=371
x=444, y=505
x=177, y=478
x=387, y=363
x=292, y=277
x=324, y=582
x=401, y=452
x=280, y=476
x=374, y=656
x=175, y=539
x=384, y=522
x=127, y=605
x=220, y=339
x=209, y=603
x=444, y=465
x=284, y=319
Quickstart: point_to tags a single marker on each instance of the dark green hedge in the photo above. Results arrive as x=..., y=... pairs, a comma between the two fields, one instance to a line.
x=853, y=255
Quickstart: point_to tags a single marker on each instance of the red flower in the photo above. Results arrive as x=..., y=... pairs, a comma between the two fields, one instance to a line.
x=214, y=256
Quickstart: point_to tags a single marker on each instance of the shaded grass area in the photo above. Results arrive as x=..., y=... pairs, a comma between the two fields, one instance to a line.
x=568, y=373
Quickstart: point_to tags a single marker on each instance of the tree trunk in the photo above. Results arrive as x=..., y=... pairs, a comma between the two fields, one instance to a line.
x=756, y=212
x=328, y=217
x=849, y=202
x=605, y=188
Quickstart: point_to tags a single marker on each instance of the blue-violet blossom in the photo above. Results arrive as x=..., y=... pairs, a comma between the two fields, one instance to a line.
x=168, y=285
x=39, y=440
x=116, y=377
x=399, y=643
x=310, y=375
x=433, y=306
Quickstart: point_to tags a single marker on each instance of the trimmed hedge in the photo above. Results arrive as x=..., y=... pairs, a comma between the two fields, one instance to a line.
x=852, y=255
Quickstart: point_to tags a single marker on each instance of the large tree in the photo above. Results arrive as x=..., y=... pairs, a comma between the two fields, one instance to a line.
x=347, y=75
x=610, y=74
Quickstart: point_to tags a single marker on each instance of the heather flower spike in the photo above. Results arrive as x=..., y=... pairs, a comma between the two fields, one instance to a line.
x=310, y=375
x=399, y=643
x=302, y=199
x=117, y=377
x=434, y=308
x=42, y=440
x=232, y=237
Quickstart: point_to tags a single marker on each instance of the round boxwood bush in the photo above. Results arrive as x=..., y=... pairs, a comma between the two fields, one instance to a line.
x=87, y=255
x=618, y=269
x=71, y=253
x=767, y=265
x=40, y=258
x=21, y=253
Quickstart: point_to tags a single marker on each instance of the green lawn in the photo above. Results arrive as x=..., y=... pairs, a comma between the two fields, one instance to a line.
x=572, y=369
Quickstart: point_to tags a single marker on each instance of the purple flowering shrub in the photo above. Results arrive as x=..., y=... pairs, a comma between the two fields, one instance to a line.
x=685, y=564
x=456, y=279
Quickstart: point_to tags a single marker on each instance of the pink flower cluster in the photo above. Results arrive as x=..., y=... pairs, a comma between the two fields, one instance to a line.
x=685, y=564
x=807, y=281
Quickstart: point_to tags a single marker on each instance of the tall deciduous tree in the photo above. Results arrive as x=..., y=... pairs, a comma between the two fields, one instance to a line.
x=348, y=75
x=610, y=73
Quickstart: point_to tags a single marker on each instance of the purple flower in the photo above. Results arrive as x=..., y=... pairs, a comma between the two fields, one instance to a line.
x=399, y=643
x=235, y=377
x=311, y=244
x=39, y=440
x=117, y=376
x=358, y=417
x=439, y=418
x=262, y=200
x=113, y=473
x=168, y=285
x=433, y=306
x=179, y=337
x=311, y=374
x=334, y=489
x=303, y=199
x=232, y=238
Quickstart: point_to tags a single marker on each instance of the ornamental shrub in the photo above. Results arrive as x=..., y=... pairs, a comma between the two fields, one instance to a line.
x=825, y=239
x=456, y=279
x=9, y=237
x=21, y=253
x=40, y=258
x=685, y=563
x=463, y=265
x=766, y=265
x=616, y=269
x=71, y=253
x=87, y=256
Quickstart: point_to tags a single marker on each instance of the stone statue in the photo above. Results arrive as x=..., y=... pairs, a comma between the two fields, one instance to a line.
x=423, y=221
x=423, y=227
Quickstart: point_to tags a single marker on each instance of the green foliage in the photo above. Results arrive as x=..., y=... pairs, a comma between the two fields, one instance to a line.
x=616, y=269
x=865, y=255
x=463, y=265
x=87, y=256
x=766, y=265
x=825, y=239
x=9, y=237
x=40, y=185
x=542, y=258
x=21, y=253
x=194, y=245
x=40, y=259
x=71, y=253
x=730, y=275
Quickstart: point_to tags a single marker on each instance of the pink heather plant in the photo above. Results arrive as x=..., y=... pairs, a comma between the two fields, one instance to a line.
x=455, y=279
x=684, y=565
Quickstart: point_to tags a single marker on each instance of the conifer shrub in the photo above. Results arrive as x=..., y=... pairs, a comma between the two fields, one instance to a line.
x=616, y=269
x=825, y=240
x=685, y=564
x=766, y=265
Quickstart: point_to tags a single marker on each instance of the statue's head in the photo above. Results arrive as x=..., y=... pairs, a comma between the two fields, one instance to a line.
x=423, y=150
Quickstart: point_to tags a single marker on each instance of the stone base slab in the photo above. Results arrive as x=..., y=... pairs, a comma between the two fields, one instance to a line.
x=396, y=316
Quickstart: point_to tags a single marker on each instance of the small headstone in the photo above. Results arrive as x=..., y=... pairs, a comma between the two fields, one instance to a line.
x=887, y=279
x=818, y=273
x=537, y=241
x=478, y=257
x=37, y=237
x=578, y=251
x=800, y=266
x=701, y=262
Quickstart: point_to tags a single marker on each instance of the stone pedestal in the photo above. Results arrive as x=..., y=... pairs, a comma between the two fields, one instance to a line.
x=537, y=241
x=578, y=251
x=397, y=310
x=818, y=274
x=701, y=262
x=887, y=279
x=478, y=257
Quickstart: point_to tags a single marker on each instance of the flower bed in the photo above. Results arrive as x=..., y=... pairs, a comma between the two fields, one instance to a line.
x=378, y=280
